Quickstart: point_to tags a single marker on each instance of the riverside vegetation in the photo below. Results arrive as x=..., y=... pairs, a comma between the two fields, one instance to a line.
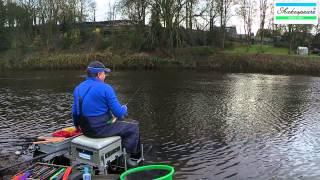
x=190, y=58
x=67, y=37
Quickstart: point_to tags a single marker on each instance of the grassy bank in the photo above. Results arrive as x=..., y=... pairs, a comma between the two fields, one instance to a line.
x=191, y=58
x=63, y=61
x=265, y=63
x=258, y=49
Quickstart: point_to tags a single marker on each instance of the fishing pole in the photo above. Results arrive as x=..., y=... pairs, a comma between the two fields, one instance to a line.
x=113, y=119
x=135, y=93
x=33, y=159
x=21, y=140
x=8, y=142
x=37, y=140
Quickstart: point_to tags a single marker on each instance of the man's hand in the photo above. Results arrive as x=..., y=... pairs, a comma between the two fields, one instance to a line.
x=125, y=107
x=78, y=129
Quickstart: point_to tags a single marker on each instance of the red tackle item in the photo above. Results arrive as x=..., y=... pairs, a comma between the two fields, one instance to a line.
x=67, y=173
x=67, y=132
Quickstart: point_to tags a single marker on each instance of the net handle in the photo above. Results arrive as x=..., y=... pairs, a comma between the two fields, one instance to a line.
x=150, y=167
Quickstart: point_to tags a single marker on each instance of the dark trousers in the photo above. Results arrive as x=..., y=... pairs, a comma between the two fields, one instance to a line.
x=128, y=131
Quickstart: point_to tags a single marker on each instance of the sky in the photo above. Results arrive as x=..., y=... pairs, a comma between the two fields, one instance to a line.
x=103, y=8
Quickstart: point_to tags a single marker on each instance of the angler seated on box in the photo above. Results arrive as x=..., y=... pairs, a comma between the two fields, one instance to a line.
x=93, y=105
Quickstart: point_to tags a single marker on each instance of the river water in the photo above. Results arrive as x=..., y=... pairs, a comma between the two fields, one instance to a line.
x=207, y=125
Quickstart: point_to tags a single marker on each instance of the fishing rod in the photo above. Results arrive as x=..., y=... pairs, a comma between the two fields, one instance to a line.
x=8, y=142
x=29, y=140
x=135, y=93
x=113, y=119
x=33, y=159
x=33, y=139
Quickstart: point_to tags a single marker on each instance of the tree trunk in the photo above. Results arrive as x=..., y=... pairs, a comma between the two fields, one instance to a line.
x=221, y=23
x=190, y=15
x=290, y=38
x=187, y=16
x=94, y=15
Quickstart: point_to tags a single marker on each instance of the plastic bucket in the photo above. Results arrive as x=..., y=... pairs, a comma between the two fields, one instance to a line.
x=148, y=172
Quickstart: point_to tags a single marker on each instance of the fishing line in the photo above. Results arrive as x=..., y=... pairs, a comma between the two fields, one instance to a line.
x=134, y=95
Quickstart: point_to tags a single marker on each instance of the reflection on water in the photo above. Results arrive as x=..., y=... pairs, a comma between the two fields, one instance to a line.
x=207, y=125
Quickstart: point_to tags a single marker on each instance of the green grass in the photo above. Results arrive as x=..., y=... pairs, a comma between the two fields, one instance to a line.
x=257, y=49
x=59, y=61
x=272, y=60
x=265, y=63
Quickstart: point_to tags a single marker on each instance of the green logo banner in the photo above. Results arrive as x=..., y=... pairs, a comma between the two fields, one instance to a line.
x=296, y=11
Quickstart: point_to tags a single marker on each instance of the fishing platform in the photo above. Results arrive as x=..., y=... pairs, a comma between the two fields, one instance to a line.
x=104, y=156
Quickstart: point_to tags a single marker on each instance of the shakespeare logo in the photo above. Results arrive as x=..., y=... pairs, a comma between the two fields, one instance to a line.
x=296, y=12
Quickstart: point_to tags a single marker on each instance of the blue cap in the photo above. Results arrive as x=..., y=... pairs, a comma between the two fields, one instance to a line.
x=97, y=66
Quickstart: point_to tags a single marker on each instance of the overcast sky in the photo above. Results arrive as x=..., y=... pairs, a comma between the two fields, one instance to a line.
x=103, y=8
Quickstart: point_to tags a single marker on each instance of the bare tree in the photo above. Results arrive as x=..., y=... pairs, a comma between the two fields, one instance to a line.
x=207, y=12
x=82, y=6
x=246, y=11
x=155, y=30
x=111, y=14
x=211, y=4
x=189, y=9
x=93, y=9
x=263, y=6
x=170, y=16
x=2, y=15
x=224, y=10
x=136, y=10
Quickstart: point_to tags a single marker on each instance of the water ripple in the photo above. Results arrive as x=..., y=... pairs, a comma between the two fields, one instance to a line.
x=207, y=125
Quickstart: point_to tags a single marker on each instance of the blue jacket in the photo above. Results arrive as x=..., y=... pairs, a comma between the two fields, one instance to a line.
x=99, y=101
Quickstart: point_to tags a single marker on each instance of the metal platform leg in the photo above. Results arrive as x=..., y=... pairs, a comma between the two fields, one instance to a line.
x=141, y=159
x=103, y=167
x=142, y=153
x=125, y=159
